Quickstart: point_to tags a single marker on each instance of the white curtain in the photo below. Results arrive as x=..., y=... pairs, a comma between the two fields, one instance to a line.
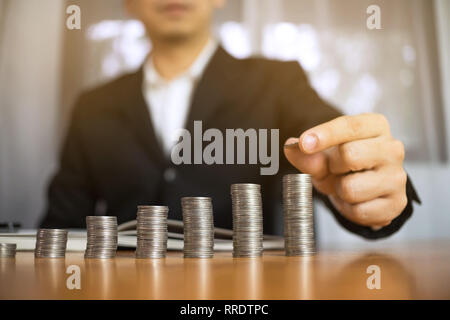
x=30, y=51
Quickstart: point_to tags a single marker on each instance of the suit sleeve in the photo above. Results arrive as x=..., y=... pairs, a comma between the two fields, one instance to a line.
x=300, y=109
x=70, y=194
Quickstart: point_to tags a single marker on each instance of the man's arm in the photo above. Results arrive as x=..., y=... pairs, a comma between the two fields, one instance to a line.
x=70, y=194
x=368, y=232
x=366, y=191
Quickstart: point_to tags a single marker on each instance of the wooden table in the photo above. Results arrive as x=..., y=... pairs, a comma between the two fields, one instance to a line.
x=420, y=271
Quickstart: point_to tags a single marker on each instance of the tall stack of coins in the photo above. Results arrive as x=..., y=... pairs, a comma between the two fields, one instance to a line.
x=151, y=232
x=198, y=227
x=247, y=220
x=298, y=215
x=51, y=243
x=101, y=237
x=7, y=250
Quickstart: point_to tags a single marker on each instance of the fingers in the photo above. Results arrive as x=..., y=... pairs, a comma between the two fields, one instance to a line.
x=378, y=212
x=368, y=185
x=314, y=164
x=343, y=129
x=327, y=185
x=355, y=161
x=365, y=154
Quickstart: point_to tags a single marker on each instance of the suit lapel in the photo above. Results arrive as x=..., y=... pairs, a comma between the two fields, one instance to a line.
x=138, y=115
x=210, y=92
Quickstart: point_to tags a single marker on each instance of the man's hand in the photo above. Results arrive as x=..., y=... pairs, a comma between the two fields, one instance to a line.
x=356, y=162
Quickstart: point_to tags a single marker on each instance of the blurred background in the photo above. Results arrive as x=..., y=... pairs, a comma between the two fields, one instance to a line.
x=402, y=71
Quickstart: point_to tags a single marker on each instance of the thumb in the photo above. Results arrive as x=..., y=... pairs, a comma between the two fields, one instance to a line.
x=314, y=164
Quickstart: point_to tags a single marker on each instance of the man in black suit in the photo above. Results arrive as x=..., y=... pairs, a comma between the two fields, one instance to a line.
x=117, y=156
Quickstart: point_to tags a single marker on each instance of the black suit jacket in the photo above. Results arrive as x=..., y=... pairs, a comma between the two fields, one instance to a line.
x=111, y=161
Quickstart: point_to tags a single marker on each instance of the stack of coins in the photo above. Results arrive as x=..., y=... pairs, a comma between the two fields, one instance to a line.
x=198, y=227
x=7, y=250
x=101, y=237
x=151, y=232
x=247, y=220
x=298, y=215
x=51, y=243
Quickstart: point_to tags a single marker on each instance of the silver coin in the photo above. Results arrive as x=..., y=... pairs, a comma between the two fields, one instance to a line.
x=198, y=227
x=152, y=233
x=101, y=237
x=247, y=213
x=8, y=250
x=298, y=215
x=51, y=243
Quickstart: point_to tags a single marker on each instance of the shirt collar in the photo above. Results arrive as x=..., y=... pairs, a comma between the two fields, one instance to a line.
x=195, y=71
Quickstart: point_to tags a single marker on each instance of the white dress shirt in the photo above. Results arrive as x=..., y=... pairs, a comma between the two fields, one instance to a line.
x=169, y=101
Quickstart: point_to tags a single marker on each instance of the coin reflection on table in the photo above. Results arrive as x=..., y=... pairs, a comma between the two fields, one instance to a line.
x=300, y=274
x=349, y=281
x=247, y=277
x=101, y=275
x=50, y=275
x=150, y=278
x=198, y=282
x=7, y=274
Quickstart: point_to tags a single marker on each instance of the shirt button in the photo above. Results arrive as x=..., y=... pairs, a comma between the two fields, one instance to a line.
x=170, y=174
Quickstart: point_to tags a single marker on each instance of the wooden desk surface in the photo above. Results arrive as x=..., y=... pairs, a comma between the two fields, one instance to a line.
x=419, y=271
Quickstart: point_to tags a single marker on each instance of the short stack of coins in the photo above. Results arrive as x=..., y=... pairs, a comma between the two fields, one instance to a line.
x=298, y=215
x=51, y=243
x=101, y=237
x=7, y=250
x=151, y=232
x=198, y=227
x=247, y=220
